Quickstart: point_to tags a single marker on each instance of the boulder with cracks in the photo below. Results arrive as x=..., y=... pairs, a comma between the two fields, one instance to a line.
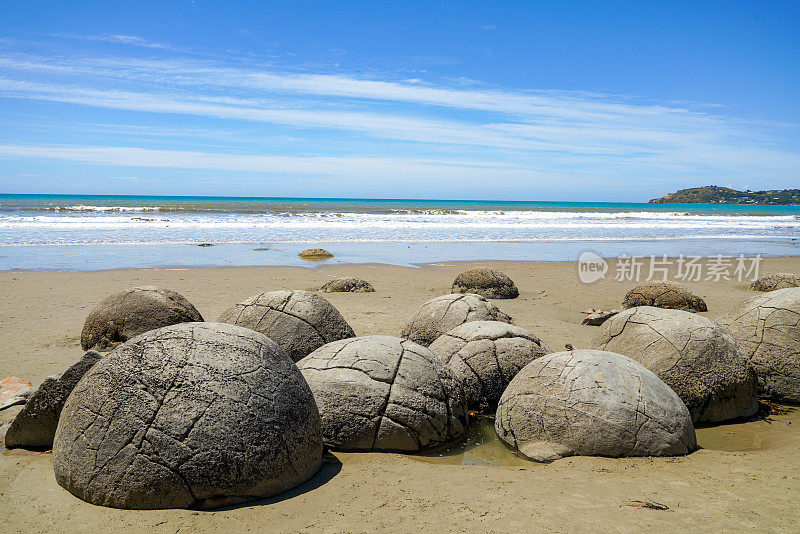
x=664, y=295
x=489, y=283
x=773, y=282
x=348, y=285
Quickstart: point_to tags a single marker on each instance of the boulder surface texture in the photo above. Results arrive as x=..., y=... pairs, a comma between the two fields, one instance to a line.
x=299, y=321
x=382, y=393
x=664, y=295
x=489, y=283
x=592, y=403
x=348, y=285
x=315, y=254
x=694, y=355
x=773, y=282
x=195, y=415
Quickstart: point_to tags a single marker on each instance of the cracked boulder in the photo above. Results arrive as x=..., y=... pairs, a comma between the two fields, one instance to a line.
x=126, y=314
x=485, y=356
x=768, y=329
x=348, y=285
x=35, y=425
x=773, y=282
x=694, y=355
x=444, y=313
x=299, y=321
x=592, y=403
x=489, y=283
x=383, y=393
x=664, y=295
x=196, y=415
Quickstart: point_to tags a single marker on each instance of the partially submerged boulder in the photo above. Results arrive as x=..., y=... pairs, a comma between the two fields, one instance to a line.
x=489, y=283
x=768, y=329
x=35, y=425
x=195, y=415
x=695, y=356
x=126, y=314
x=315, y=254
x=444, y=313
x=382, y=393
x=773, y=282
x=485, y=356
x=664, y=295
x=592, y=403
x=299, y=321
x=14, y=391
x=348, y=285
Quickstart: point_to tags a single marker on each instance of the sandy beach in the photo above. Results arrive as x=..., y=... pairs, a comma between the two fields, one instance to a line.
x=746, y=477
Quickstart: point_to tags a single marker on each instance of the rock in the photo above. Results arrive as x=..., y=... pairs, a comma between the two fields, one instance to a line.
x=599, y=317
x=485, y=356
x=126, y=314
x=768, y=329
x=348, y=285
x=315, y=254
x=592, y=403
x=489, y=283
x=194, y=415
x=692, y=354
x=774, y=282
x=14, y=391
x=299, y=321
x=444, y=313
x=382, y=393
x=663, y=295
x=35, y=425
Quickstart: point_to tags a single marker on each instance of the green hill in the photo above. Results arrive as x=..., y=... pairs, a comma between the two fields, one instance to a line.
x=712, y=194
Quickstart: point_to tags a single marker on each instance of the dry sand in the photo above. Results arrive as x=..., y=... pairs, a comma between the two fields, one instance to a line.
x=747, y=479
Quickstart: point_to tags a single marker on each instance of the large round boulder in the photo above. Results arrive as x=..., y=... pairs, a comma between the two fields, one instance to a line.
x=768, y=329
x=664, y=295
x=299, y=321
x=126, y=314
x=592, y=403
x=773, y=282
x=315, y=254
x=489, y=283
x=348, y=285
x=485, y=356
x=444, y=313
x=694, y=355
x=196, y=415
x=382, y=393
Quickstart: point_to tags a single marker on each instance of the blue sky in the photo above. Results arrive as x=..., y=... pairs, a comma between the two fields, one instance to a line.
x=520, y=100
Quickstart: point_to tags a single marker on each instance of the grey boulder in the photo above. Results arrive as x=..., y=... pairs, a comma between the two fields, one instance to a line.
x=485, y=356
x=35, y=425
x=444, y=313
x=348, y=285
x=195, y=415
x=773, y=282
x=489, y=283
x=126, y=314
x=694, y=355
x=664, y=295
x=299, y=321
x=768, y=329
x=592, y=403
x=382, y=393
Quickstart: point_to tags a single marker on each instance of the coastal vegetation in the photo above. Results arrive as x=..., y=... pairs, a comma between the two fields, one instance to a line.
x=712, y=194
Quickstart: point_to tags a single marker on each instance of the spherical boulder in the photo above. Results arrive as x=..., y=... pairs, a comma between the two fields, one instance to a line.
x=592, y=403
x=773, y=282
x=348, y=285
x=489, y=283
x=383, y=393
x=485, y=356
x=444, y=313
x=315, y=254
x=195, y=415
x=768, y=329
x=126, y=314
x=664, y=295
x=692, y=354
x=299, y=321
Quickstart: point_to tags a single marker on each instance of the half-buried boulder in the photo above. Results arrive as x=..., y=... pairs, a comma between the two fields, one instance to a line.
x=315, y=254
x=299, y=321
x=382, y=393
x=489, y=283
x=694, y=355
x=592, y=403
x=348, y=285
x=35, y=425
x=444, y=313
x=485, y=356
x=196, y=415
x=664, y=295
x=773, y=282
x=126, y=314
x=768, y=329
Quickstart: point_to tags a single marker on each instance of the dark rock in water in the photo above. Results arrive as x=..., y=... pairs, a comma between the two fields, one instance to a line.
x=14, y=391
x=664, y=295
x=599, y=317
x=124, y=315
x=194, y=415
x=206, y=245
x=35, y=425
x=348, y=285
x=489, y=283
x=773, y=282
x=315, y=254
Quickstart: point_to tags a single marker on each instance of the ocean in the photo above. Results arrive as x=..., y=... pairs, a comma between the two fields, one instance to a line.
x=73, y=232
